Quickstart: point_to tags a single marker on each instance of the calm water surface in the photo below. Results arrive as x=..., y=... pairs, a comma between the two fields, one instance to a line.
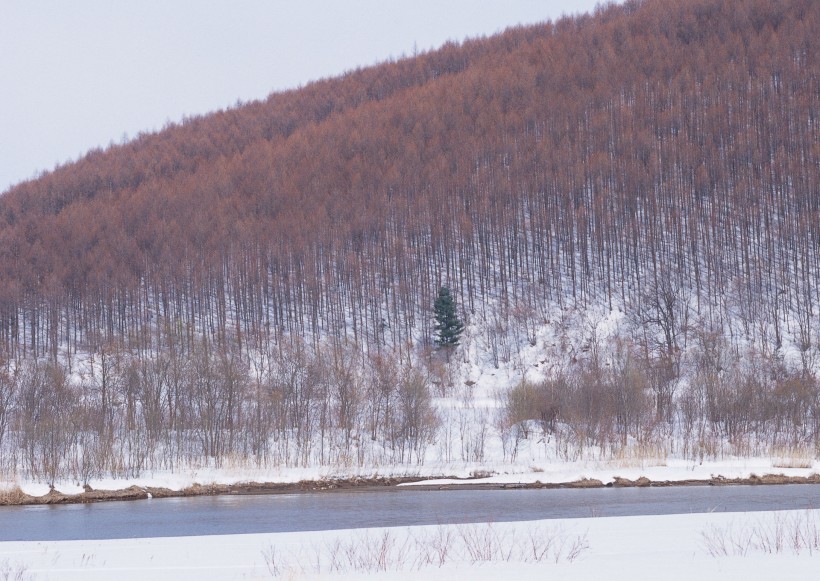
x=393, y=507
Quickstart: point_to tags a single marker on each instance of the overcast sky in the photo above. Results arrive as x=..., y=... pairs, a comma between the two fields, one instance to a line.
x=80, y=74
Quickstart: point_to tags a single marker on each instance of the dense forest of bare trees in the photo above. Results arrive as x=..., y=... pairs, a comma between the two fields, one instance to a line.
x=656, y=144
x=658, y=157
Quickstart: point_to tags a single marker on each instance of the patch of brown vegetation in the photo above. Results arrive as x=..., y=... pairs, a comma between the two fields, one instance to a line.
x=130, y=493
x=586, y=483
x=14, y=497
x=641, y=482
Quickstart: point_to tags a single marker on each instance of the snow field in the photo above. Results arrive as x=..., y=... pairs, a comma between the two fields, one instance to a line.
x=762, y=545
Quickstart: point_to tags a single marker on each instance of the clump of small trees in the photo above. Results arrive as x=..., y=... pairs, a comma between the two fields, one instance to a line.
x=724, y=403
x=287, y=406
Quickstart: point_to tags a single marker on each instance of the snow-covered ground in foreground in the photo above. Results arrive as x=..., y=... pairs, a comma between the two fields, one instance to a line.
x=761, y=545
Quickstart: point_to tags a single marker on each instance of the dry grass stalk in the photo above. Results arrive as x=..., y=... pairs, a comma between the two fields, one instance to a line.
x=796, y=457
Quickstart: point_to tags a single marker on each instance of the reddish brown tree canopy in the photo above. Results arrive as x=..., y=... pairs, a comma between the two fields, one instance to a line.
x=654, y=144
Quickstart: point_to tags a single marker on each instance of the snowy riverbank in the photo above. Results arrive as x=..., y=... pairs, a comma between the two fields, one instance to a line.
x=580, y=474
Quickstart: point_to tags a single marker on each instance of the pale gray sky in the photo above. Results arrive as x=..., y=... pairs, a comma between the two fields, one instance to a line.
x=80, y=74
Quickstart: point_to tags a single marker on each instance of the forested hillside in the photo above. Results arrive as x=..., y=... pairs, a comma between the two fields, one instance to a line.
x=584, y=161
x=659, y=158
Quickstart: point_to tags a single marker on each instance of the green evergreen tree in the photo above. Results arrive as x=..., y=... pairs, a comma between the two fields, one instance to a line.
x=448, y=326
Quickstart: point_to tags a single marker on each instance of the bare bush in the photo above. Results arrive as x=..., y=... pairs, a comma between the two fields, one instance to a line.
x=796, y=533
x=485, y=543
x=13, y=572
x=435, y=549
x=391, y=551
x=534, y=401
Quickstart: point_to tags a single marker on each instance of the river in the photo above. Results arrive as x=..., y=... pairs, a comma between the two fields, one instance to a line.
x=233, y=514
